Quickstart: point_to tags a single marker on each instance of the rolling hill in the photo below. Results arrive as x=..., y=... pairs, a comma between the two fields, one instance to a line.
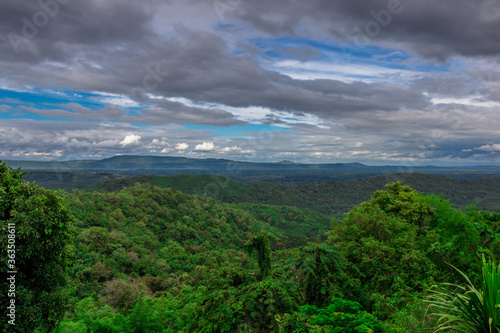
x=331, y=197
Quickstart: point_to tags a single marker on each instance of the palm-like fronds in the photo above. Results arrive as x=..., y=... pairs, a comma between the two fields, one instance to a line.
x=466, y=308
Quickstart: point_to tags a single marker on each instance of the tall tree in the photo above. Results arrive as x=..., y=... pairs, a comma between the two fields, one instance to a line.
x=35, y=248
x=261, y=246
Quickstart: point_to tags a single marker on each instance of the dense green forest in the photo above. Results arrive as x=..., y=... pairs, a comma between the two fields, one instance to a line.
x=69, y=181
x=164, y=254
x=331, y=197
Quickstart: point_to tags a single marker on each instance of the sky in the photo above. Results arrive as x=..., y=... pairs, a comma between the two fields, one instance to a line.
x=396, y=82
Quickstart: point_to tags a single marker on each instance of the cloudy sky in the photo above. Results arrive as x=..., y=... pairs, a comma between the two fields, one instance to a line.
x=317, y=81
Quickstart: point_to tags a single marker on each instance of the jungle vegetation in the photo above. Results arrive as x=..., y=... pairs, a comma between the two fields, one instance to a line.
x=148, y=258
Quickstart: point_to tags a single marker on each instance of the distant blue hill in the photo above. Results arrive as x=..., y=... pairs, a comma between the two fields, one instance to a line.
x=246, y=172
x=148, y=163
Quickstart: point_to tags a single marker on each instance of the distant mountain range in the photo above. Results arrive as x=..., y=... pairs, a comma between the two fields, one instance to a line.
x=79, y=174
x=130, y=163
x=138, y=164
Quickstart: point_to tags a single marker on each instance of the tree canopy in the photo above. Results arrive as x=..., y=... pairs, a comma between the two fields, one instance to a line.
x=154, y=259
x=40, y=252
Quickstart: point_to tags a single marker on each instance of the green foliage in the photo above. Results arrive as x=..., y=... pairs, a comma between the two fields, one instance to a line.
x=343, y=316
x=153, y=259
x=383, y=247
x=69, y=181
x=412, y=317
x=340, y=316
x=165, y=314
x=459, y=240
x=146, y=231
x=261, y=246
x=404, y=202
x=238, y=301
x=401, y=240
x=319, y=272
x=298, y=226
x=122, y=294
x=467, y=308
x=42, y=252
x=326, y=197
x=94, y=318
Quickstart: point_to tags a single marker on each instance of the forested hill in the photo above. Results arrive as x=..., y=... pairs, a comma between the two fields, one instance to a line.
x=148, y=258
x=329, y=197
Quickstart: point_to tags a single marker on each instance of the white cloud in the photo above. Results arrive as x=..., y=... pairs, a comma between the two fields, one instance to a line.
x=131, y=140
x=205, y=146
x=165, y=150
x=116, y=99
x=103, y=144
x=465, y=101
x=234, y=149
x=57, y=153
x=230, y=149
x=492, y=147
x=182, y=146
x=157, y=144
x=346, y=72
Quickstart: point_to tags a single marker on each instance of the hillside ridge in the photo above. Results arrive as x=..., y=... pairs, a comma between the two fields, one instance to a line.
x=329, y=197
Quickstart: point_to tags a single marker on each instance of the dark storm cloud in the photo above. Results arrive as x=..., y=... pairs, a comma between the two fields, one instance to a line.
x=172, y=112
x=100, y=31
x=49, y=30
x=431, y=28
x=202, y=70
x=165, y=112
x=153, y=50
x=198, y=66
x=111, y=47
x=114, y=41
x=304, y=53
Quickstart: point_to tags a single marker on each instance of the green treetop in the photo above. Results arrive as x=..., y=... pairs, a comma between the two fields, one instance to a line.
x=42, y=253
